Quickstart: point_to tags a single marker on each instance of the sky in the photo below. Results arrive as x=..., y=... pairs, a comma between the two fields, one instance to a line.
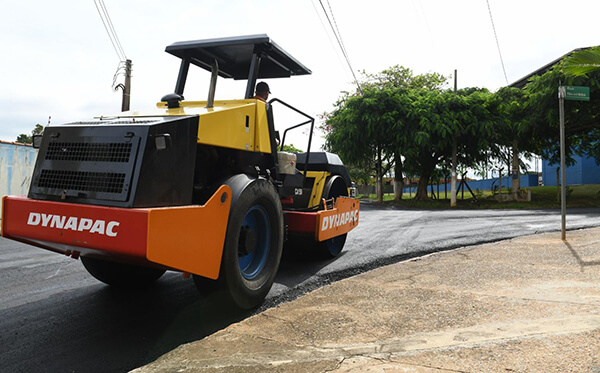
x=57, y=60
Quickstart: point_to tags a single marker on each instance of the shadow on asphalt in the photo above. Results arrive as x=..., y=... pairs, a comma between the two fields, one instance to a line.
x=100, y=329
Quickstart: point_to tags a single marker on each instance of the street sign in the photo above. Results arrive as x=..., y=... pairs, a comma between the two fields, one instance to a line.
x=575, y=93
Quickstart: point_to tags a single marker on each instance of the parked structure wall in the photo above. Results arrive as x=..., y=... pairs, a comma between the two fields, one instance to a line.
x=16, y=167
x=584, y=171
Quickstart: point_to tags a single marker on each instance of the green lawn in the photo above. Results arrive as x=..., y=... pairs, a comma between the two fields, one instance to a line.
x=541, y=198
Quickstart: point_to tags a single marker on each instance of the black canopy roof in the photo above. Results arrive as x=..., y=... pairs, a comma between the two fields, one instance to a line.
x=235, y=54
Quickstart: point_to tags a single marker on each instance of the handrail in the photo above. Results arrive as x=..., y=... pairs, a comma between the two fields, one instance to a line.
x=291, y=128
x=312, y=126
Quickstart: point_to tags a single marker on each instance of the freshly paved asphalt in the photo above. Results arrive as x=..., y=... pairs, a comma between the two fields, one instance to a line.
x=54, y=317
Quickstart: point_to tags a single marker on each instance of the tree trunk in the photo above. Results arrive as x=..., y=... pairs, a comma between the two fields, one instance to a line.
x=379, y=176
x=398, y=179
x=421, y=194
x=516, y=175
x=453, y=182
x=508, y=164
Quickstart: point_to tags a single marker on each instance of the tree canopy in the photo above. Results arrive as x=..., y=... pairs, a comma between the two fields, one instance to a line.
x=410, y=122
x=378, y=120
x=361, y=130
x=28, y=139
x=436, y=119
x=582, y=128
x=582, y=62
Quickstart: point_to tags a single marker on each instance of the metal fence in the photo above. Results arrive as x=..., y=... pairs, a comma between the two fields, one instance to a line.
x=486, y=184
x=370, y=189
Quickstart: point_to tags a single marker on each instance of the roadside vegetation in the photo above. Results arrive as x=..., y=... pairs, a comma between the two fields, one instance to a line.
x=416, y=126
x=28, y=139
x=542, y=197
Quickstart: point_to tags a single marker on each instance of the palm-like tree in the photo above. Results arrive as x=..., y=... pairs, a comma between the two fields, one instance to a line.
x=582, y=62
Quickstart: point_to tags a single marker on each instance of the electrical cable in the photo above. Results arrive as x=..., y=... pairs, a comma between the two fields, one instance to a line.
x=336, y=27
x=341, y=47
x=121, y=70
x=112, y=28
x=333, y=47
x=114, y=40
x=497, y=43
x=423, y=14
x=107, y=31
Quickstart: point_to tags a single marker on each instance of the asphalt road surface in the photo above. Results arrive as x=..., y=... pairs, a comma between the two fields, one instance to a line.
x=54, y=317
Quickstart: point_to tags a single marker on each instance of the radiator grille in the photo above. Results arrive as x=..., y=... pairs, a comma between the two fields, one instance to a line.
x=89, y=152
x=104, y=182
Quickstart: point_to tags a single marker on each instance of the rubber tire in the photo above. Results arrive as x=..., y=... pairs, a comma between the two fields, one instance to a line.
x=335, y=186
x=247, y=292
x=121, y=275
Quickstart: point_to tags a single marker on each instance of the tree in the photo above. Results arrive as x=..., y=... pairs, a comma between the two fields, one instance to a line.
x=513, y=130
x=28, y=139
x=436, y=118
x=582, y=62
x=408, y=122
x=582, y=128
x=360, y=131
x=290, y=148
x=398, y=78
x=402, y=77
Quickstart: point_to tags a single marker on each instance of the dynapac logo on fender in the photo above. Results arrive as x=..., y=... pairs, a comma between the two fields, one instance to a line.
x=337, y=220
x=73, y=223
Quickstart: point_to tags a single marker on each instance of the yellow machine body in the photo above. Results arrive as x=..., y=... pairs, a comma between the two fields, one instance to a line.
x=319, y=184
x=234, y=124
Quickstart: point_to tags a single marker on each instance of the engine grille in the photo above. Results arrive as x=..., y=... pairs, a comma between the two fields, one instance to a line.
x=89, y=152
x=86, y=166
x=104, y=182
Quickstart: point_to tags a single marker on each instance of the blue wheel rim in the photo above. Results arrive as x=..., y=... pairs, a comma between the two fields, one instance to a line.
x=252, y=264
x=335, y=245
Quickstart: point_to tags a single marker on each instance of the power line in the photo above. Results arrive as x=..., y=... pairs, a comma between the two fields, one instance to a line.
x=110, y=30
x=340, y=43
x=336, y=27
x=338, y=38
x=326, y=32
x=497, y=43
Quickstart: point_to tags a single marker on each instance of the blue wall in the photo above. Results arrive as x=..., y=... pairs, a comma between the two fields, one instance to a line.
x=585, y=171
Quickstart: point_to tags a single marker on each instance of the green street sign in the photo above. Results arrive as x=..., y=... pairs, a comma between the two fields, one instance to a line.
x=575, y=93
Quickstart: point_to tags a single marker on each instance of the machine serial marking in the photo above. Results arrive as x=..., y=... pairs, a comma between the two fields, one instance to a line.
x=73, y=223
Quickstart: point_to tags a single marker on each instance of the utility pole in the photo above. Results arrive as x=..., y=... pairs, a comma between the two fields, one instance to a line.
x=127, y=87
x=454, y=160
x=563, y=183
x=573, y=93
